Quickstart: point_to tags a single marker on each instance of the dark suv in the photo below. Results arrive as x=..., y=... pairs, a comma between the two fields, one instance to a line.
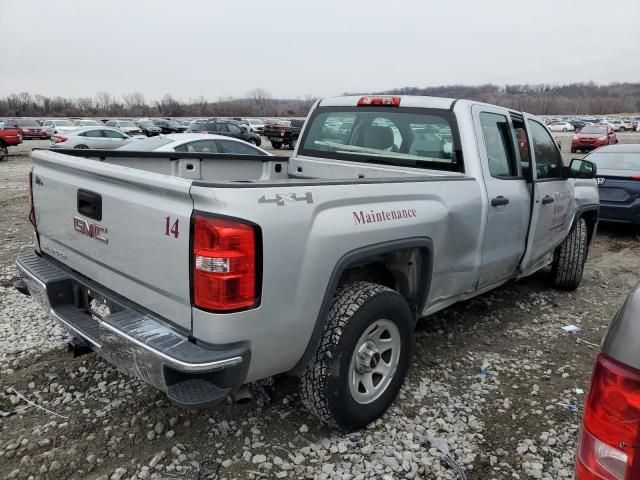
x=228, y=128
x=169, y=126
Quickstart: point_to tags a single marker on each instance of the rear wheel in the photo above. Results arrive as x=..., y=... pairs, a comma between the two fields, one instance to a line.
x=569, y=258
x=276, y=145
x=81, y=147
x=4, y=153
x=564, y=129
x=362, y=358
x=293, y=144
x=623, y=129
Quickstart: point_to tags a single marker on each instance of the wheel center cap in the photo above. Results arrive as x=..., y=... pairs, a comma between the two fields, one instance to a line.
x=368, y=357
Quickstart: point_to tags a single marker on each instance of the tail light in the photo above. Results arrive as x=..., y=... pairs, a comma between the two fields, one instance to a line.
x=379, y=100
x=225, y=264
x=32, y=211
x=58, y=139
x=635, y=177
x=608, y=447
x=282, y=132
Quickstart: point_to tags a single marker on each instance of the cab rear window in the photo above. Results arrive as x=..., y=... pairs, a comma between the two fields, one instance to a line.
x=413, y=137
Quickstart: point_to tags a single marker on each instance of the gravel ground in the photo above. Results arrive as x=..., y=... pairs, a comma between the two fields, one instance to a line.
x=495, y=383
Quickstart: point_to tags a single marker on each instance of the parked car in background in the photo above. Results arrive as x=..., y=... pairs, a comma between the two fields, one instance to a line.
x=28, y=127
x=103, y=138
x=578, y=124
x=148, y=128
x=194, y=143
x=228, y=128
x=87, y=122
x=561, y=127
x=9, y=137
x=59, y=125
x=255, y=125
x=125, y=126
x=608, y=445
x=618, y=182
x=593, y=136
x=627, y=124
x=169, y=126
x=284, y=132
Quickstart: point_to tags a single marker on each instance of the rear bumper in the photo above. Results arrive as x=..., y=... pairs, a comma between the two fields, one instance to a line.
x=134, y=340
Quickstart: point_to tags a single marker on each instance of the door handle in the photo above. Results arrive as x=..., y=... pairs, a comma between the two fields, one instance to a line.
x=547, y=200
x=499, y=201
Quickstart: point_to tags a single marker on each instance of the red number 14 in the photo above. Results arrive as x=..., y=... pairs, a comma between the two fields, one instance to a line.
x=171, y=229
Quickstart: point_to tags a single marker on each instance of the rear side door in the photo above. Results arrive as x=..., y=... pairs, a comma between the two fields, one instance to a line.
x=95, y=139
x=553, y=196
x=507, y=192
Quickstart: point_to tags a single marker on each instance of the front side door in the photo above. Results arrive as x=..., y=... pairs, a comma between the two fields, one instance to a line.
x=507, y=192
x=553, y=196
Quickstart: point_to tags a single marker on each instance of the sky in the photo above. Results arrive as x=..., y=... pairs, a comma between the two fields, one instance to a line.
x=295, y=48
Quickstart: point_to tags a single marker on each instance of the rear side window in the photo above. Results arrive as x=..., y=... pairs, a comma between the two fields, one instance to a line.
x=228, y=146
x=413, y=137
x=547, y=156
x=92, y=133
x=199, y=146
x=498, y=140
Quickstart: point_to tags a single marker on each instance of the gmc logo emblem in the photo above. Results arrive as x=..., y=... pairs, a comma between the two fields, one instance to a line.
x=92, y=230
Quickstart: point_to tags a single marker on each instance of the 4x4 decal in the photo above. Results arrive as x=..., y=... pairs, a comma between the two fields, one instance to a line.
x=281, y=198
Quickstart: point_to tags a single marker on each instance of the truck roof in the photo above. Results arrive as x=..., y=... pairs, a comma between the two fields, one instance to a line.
x=405, y=101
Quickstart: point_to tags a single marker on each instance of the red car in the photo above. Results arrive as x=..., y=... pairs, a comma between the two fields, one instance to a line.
x=8, y=137
x=28, y=127
x=593, y=136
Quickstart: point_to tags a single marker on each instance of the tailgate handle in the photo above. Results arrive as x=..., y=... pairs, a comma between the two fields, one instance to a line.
x=90, y=204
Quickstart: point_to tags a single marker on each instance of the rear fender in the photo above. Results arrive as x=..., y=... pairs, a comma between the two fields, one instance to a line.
x=420, y=284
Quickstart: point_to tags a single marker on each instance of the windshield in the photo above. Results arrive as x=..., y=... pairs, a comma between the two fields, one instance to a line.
x=255, y=122
x=590, y=129
x=90, y=123
x=414, y=137
x=146, y=145
x=146, y=123
x=616, y=160
x=173, y=123
x=126, y=124
x=63, y=123
x=25, y=122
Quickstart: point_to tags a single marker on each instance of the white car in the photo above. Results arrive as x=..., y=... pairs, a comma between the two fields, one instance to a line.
x=560, y=127
x=58, y=126
x=125, y=126
x=194, y=143
x=255, y=125
x=100, y=138
x=87, y=122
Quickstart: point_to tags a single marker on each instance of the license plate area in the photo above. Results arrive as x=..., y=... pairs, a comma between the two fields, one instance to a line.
x=93, y=302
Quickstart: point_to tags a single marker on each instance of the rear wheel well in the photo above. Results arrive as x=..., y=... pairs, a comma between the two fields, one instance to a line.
x=406, y=271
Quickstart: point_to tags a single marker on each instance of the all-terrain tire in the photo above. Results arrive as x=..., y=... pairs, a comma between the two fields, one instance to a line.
x=324, y=384
x=569, y=258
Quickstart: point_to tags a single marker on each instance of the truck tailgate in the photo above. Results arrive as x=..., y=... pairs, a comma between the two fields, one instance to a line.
x=124, y=228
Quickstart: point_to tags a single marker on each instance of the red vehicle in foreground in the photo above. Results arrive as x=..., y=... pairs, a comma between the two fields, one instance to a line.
x=593, y=136
x=8, y=138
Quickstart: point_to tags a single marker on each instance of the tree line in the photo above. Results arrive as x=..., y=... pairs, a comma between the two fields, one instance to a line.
x=257, y=102
x=542, y=99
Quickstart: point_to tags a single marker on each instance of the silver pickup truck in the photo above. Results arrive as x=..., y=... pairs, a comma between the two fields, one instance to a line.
x=200, y=273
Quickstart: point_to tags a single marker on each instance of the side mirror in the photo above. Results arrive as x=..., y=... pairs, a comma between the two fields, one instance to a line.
x=580, y=168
